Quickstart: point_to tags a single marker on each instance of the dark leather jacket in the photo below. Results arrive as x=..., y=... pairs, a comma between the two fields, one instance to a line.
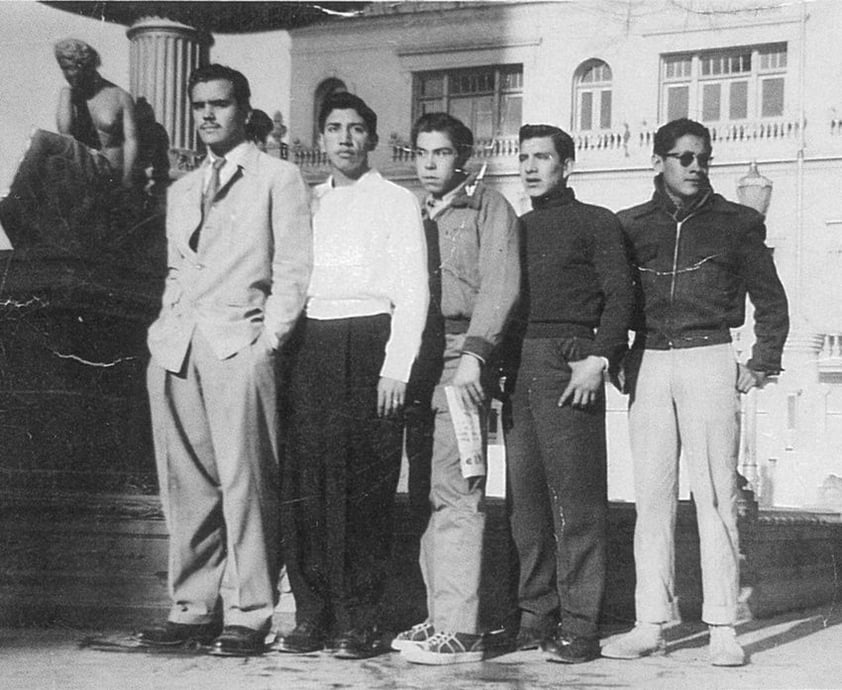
x=693, y=271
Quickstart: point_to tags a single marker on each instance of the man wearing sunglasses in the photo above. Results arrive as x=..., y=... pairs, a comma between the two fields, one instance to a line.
x=696, y=257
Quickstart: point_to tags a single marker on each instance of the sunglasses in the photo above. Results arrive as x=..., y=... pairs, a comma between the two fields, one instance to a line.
x=687, y=157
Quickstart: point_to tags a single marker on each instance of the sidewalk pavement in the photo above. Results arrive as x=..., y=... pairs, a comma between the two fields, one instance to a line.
x=799, y=650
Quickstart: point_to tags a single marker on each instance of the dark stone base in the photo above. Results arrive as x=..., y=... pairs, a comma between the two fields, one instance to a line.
x=100, y=561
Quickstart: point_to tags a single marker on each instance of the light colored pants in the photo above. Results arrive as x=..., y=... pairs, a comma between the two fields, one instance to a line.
x=451, y=547
x=214, y=429
x=686, y=399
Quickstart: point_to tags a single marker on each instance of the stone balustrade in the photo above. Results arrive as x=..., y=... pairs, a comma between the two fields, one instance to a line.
x=602, y=147
x=830, y=355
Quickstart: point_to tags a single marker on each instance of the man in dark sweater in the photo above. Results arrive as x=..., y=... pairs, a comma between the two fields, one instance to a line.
x=577, y=309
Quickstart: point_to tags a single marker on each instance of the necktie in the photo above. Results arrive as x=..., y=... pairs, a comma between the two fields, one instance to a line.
x=207, y=200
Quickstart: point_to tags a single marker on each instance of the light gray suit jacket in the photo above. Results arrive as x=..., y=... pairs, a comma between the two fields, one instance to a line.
x=252, y=267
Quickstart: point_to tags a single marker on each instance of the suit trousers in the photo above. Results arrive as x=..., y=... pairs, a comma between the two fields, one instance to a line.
x=557, y=494
x=686, y=401
x=341, y=472
x=215, y=432
x=451, y=546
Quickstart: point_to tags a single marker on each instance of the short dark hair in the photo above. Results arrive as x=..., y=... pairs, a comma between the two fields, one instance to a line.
x=259, y=126
x=459, y=134
x=563, y=142
x=343, y=100
x=214, y=71
x=668, y=134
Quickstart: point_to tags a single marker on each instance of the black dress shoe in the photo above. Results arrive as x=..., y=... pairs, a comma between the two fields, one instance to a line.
x=237, y=640
x=307, y=637
x=174, y=634
x=360, y=644
x=571, y=649
x=530, y=638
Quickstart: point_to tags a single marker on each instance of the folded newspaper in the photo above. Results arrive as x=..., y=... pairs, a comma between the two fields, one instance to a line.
x=466, y=424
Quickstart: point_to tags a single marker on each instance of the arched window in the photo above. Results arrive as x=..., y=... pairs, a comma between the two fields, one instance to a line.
x=592, y=91
x=323, y=90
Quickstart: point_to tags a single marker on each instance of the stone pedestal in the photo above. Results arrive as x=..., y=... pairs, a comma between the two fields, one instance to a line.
x=163, y=53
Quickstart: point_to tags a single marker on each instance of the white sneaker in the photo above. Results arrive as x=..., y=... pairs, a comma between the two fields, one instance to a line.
x=416, y=635
x=446, y=648
x=724, y=648
x=645, y=639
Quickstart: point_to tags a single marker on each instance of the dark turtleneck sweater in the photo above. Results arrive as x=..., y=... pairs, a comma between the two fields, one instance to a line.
x=577, y=278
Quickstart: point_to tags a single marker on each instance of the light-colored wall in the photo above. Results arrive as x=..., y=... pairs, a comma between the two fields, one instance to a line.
x=377, y=56
x=264, y=59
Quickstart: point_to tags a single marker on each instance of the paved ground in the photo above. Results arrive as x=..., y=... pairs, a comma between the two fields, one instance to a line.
x=799, y=650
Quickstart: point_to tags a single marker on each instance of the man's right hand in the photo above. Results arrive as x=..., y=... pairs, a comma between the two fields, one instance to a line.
x=468, y=381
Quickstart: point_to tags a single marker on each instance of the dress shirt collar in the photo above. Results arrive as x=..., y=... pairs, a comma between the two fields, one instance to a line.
x=433, y=205
x=369, y=178
x=234, y=159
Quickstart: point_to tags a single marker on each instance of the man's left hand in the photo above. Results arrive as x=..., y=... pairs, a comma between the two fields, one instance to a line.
x=390, y=396
x=585, y=382
x=748, y=378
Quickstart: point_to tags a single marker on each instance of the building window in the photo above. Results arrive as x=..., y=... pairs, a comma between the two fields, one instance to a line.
x=593, y=96
x=487, y=99
x=724, y=85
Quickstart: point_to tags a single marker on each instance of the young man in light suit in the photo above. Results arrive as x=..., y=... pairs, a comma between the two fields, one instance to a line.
x=239, y=260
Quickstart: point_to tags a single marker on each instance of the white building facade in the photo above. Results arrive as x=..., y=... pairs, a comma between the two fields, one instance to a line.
x=764, y=77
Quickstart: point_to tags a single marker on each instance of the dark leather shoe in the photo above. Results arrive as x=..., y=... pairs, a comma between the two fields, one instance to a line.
x=174, y=634
x=307, y=637
x=360, y=644
x=570, y=649
x=530, y=638
x=237, y=640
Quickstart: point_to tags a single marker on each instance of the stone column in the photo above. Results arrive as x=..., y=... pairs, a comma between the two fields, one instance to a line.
x=163, y=53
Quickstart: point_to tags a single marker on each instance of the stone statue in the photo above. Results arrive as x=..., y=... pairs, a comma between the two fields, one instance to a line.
x=72, y=187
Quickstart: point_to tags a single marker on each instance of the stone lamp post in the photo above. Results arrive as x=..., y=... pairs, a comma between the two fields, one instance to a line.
x=755, y=191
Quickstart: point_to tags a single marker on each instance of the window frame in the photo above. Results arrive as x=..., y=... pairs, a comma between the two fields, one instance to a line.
x=683, y=74
x=444, y=99
x=598, y=90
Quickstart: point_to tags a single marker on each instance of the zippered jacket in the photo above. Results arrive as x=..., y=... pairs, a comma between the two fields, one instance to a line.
x=693, y=271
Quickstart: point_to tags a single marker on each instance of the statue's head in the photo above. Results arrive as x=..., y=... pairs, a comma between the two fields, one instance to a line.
x=78, y=61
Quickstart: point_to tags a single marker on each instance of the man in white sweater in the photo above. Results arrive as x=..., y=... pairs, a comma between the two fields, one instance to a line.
x=351, y=359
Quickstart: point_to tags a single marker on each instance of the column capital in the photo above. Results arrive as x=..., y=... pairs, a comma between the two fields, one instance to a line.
x=154, y=24
x=163, y=54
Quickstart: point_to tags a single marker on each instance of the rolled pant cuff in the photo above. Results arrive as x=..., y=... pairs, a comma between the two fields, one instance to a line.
x=656, y=616
x=719, y=615
x=182, y=618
